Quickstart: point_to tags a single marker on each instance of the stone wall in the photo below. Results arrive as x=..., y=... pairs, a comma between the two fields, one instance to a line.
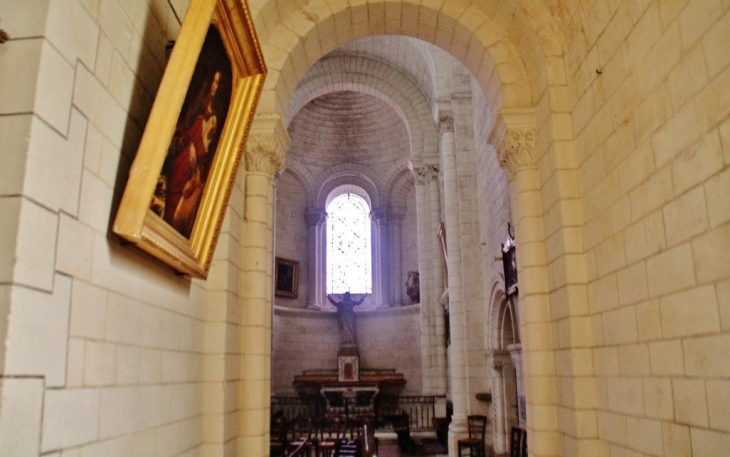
x=648, y=313
x=309, y=340
x=106, y=351
x=291, y=234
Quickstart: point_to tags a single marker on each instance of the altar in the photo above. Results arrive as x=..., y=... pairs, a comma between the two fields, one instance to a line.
x=349, y=389
x=349, y=397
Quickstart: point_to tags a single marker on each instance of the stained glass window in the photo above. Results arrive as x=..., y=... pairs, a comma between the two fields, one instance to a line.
x=348, y=245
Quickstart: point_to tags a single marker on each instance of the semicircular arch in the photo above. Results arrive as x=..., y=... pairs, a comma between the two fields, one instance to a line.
x=342, y=174
x=490, y=39
x=302, y=181
x=399, y=186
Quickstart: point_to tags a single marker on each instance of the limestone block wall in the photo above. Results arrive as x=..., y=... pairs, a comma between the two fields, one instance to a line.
x=391, y=338
x=309, y=340
x=301, y=340
x=291, y=233
x=493, y=195
x=652, y=151
x=105, y=351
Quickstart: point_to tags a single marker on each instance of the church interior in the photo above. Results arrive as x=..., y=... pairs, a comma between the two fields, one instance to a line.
x=431, y=214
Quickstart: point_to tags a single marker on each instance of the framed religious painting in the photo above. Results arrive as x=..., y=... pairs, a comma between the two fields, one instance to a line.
x=181, y=178
x=286, y=277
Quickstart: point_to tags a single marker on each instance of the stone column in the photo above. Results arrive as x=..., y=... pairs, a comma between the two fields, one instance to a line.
x=264, y=158
x=315, y=219
x=517, y=154
x=457, y=321
x=515, y=352
x=500, y=417
x=437, y=284
x=397, y=279
x=424, y=225
x=381, y=270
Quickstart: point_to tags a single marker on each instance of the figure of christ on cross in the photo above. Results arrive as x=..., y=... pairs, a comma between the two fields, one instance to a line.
x=346, y=319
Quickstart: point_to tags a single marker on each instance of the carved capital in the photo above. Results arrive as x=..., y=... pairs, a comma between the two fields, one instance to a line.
x=432, y=173
x=264, y=154
x=446, y=123
x=426, y=173
x=379, y=215
x=518, y=150
x=420, y=174
x=315, y=217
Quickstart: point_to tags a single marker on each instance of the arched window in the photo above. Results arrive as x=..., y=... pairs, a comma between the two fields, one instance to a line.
x=349, y=253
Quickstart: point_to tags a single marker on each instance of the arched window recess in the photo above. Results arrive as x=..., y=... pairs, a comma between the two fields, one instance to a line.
x=348, y=241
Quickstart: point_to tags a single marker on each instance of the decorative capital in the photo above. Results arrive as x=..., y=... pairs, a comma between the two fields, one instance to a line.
x=379, y=215
x=518, y=150
x=266, y=144
x=432, y=172
x=420, y=174
x=446, y=123
x=263, y=154
x=315, y=217
x=426, y=173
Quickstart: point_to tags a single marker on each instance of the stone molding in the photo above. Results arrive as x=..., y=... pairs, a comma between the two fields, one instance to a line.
x=518, y=150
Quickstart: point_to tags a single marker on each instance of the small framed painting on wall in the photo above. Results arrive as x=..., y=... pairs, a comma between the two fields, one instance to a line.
x=286, y=277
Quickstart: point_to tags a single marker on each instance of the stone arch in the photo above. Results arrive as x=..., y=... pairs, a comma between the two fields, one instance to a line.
x=490, y=38
x=396, y=193
x=504, y=44
x=496, y=303
x=411, y=57
x=302, y=181
x=346, y=174
x=390, y=86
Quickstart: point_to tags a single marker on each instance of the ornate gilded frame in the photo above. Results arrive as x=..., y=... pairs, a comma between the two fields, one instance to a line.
x=135, y=220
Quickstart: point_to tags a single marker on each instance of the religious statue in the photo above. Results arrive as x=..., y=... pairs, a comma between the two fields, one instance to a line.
x=413, y=287
x=346, y=319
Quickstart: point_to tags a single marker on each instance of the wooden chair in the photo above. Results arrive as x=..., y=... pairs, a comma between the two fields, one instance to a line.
x=523, y=447
x=329, y=431
x=518, y=442
x=302, y=435
x=407, y=443
x=278, y=435
x=477, y=426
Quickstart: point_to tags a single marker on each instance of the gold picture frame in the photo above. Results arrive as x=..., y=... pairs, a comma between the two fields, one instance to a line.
x=286, y=278
x=181, y=178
